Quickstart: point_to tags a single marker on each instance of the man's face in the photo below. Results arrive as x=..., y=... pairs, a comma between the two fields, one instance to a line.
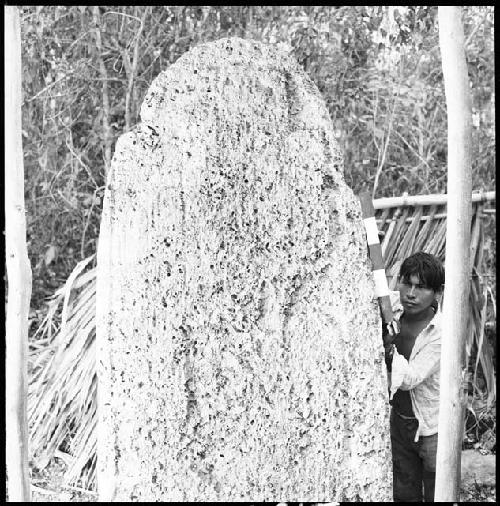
x=415, y=297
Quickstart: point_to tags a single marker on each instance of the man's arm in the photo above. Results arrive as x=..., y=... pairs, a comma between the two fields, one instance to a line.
x=406, y=376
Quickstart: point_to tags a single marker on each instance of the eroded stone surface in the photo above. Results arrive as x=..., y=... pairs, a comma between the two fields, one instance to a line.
x=238, y=336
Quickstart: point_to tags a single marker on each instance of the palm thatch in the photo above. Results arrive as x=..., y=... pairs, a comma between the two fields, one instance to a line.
x=411, y=224
x=420, y=225
x=63, y=384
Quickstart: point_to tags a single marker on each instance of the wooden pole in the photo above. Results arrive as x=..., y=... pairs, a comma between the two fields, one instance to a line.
x=18, y=270
x=457, y=270
x=378, y=267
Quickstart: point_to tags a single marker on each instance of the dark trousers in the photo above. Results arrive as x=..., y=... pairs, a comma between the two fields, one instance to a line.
x=413, y=464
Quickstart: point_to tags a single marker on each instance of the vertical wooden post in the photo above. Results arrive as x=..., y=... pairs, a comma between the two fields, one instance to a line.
x=18, y=270
x=456, y=293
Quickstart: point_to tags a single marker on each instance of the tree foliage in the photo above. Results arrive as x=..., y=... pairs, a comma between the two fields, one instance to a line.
x=86, y=71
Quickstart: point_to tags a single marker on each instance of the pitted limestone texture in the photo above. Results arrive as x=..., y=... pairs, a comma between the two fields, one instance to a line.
x=239, y=348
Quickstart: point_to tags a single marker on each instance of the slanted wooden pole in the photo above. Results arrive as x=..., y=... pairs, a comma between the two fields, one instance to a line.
x=457, y=269
x=18, y=271
x=378, y=266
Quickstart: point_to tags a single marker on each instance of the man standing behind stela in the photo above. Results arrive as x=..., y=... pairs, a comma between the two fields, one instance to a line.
x=413, y=362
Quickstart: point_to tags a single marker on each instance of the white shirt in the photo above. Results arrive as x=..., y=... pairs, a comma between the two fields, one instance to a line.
x=421, y=373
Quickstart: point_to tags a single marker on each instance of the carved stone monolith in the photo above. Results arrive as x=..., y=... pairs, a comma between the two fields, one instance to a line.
x=239, y=349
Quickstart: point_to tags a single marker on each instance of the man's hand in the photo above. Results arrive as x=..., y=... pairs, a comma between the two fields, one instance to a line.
x=389, y=332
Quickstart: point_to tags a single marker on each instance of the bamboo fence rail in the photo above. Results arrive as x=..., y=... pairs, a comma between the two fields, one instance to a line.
x=426, y=200
x=63, y=382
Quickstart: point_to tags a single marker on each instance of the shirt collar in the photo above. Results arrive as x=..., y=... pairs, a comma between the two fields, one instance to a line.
x=436, y=319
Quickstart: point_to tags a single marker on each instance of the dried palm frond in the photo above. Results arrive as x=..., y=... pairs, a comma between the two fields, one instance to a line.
x=416, y=228
x=62, y=388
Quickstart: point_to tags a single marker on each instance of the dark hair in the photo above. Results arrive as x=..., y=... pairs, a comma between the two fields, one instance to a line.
x=428, y=268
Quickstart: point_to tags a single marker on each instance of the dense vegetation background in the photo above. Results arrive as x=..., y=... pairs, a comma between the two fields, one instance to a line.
x=86, y=71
